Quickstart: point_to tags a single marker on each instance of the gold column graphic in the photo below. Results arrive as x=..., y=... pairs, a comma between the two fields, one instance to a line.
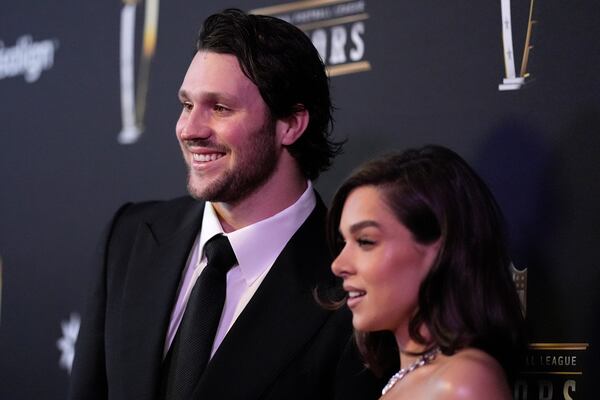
x=133, y=107
x=511, y=81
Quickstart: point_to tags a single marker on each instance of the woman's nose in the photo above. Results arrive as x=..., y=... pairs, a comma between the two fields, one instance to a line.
x=340, y=267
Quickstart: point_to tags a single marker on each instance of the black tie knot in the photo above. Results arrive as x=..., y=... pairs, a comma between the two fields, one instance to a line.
x=219, y=254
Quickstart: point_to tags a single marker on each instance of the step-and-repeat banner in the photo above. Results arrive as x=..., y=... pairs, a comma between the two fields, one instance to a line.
x=88, y=104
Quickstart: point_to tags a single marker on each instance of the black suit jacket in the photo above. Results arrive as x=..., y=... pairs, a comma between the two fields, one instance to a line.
x=282, y=346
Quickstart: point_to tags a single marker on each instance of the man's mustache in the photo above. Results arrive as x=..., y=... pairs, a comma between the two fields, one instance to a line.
x=205, y=143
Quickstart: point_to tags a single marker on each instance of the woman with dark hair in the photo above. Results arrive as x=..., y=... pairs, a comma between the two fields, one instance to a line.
x=421, y=249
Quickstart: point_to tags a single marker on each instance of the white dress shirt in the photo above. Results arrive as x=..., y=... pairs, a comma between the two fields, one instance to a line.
x=256, y=248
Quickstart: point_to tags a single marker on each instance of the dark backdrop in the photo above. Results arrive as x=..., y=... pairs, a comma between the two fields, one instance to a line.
x=417, y=72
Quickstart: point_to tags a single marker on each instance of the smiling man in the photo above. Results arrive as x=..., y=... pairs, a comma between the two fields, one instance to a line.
x=237, y=154
x=210, y=296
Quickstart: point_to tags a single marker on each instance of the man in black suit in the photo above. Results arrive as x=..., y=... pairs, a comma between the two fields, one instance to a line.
x=254, y=131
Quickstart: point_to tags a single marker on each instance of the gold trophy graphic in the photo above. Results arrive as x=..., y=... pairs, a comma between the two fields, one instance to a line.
x=133, y=104
x=511, y=81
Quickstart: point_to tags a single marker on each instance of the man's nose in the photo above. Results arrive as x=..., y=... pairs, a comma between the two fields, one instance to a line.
x=195, y=126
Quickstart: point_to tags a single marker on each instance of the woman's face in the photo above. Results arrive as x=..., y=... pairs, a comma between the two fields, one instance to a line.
x=381, y=264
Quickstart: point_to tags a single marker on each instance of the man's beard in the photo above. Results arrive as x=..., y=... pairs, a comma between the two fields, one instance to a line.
x=256, y=163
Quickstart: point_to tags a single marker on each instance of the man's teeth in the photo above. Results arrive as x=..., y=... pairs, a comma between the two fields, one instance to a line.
x=206, y=157
x=356, y=293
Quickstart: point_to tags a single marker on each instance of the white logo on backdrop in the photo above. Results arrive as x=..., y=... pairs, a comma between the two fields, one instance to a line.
x=27, y=58
x=66, y=344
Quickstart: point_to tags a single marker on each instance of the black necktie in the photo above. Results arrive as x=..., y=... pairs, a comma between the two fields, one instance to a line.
x=192, y=346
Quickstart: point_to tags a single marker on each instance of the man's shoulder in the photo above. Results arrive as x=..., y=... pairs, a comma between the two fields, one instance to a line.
x=160, y=219
x=159, y=216
x=157, y=209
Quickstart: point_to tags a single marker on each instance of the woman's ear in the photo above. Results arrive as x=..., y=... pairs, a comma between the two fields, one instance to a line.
x=290, y=128
x=431, y=252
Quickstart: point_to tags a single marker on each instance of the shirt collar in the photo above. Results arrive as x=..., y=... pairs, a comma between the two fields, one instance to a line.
x=257, y=246
x=210, y=227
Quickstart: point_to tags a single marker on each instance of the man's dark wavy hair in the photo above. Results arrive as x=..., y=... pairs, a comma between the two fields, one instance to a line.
x=289, y=73
x=468, y=299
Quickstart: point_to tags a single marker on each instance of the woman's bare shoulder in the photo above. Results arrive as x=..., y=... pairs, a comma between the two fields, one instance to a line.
x=470, y=374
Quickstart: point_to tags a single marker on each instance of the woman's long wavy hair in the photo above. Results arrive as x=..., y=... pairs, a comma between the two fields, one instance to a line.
x=468, y=299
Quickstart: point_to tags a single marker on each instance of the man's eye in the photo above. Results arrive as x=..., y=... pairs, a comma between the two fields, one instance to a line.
x=187, y=106
x=220, y=108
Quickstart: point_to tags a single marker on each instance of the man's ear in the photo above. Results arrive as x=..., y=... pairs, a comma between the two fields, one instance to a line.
x=290, y=128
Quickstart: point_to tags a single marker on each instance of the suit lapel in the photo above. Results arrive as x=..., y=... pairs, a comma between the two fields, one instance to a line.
x=277, y=323
x=158, y=258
